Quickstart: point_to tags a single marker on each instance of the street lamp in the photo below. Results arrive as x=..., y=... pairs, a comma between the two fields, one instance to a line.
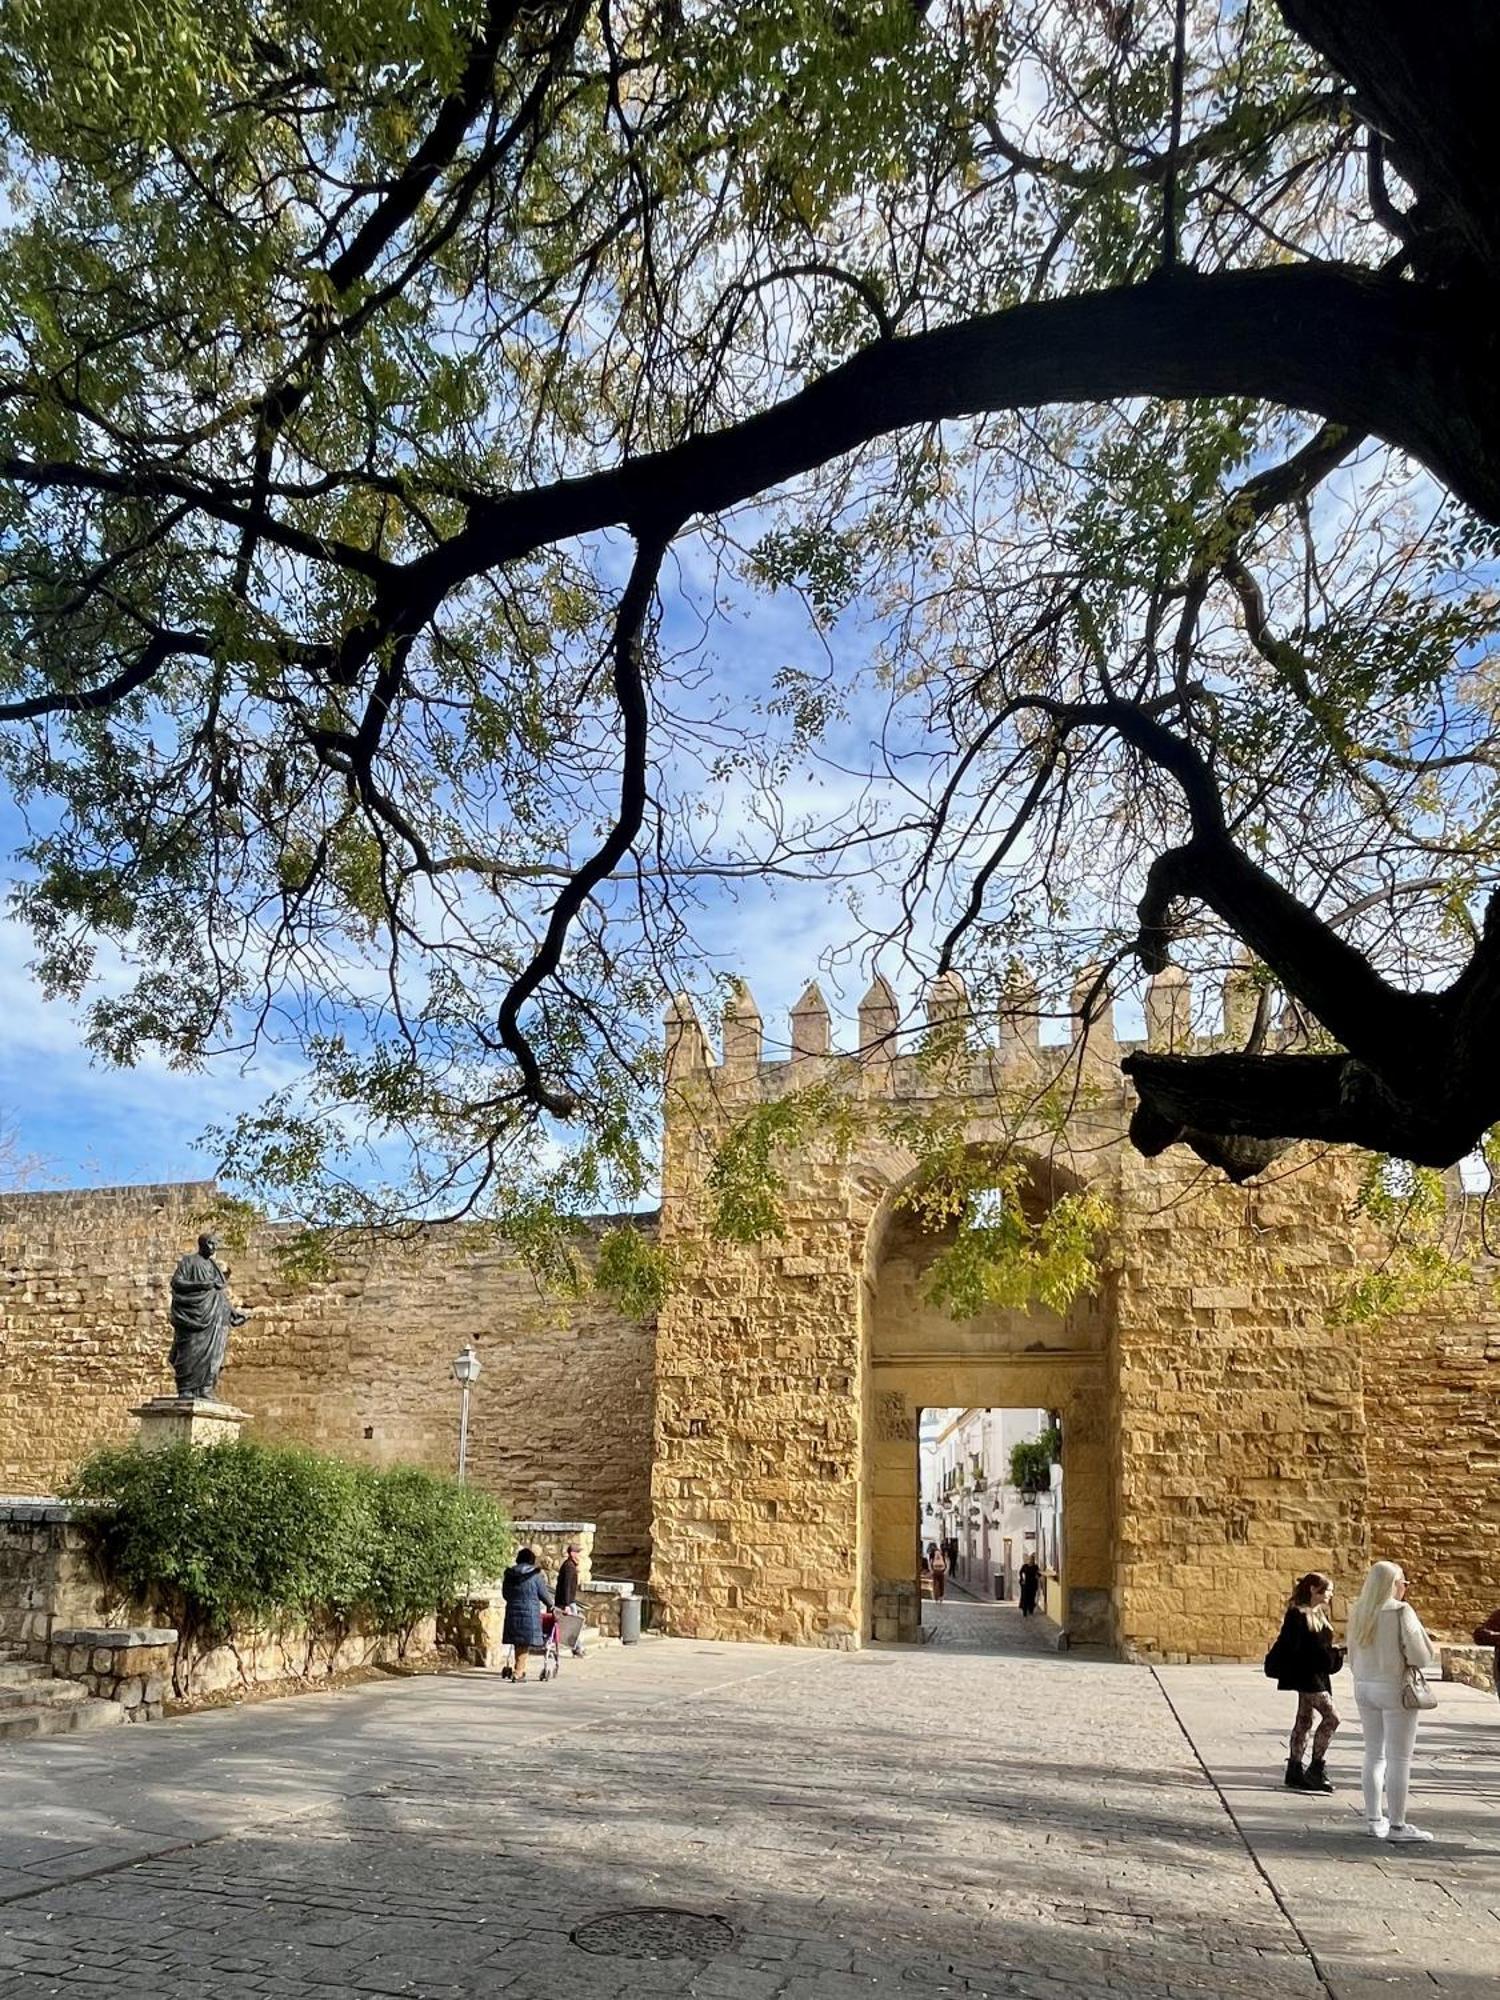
x=465, y=1374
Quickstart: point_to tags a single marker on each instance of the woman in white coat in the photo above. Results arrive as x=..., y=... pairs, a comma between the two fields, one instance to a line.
x=1385, y=1638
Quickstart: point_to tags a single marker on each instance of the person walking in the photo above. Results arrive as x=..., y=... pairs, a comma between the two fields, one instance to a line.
x=1303, y=1659
x=1387, y=1646
x=1488, y=1634
x=525, y=1591
x=1031, y=1582
x=566, y=1590
x=937, y=1567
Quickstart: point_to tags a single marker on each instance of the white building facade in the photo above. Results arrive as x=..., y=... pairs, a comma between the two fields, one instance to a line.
x=970, y=1506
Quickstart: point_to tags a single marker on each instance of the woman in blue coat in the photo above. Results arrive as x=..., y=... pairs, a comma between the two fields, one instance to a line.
x=525, y=1591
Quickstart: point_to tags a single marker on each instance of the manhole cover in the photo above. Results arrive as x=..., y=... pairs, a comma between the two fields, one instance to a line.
x=654, y=1934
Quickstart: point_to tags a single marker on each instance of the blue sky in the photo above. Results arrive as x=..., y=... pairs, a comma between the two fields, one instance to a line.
x=78, y=1122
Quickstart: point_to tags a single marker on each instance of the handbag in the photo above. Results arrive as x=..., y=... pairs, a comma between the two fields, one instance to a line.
x=1416, y=1690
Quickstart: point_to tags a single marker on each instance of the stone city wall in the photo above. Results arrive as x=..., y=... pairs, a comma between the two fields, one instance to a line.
x=756, y=1477
x=560, y=1421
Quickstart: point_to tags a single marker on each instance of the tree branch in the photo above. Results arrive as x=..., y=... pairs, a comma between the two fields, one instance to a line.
x=1374, y=353
x=81, y=701
x=630, y=694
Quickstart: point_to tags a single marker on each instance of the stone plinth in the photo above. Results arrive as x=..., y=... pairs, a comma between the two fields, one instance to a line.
x=169, y=1420
x=897, y=1614
x=472, y=1626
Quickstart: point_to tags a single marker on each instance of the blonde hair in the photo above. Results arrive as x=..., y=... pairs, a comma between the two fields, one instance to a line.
x=1304, y=1590
x=1376, y=1592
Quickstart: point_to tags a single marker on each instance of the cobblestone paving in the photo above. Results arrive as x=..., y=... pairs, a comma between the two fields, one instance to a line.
x=1398, y=1922
x=964, y=1624
x=940, y=1821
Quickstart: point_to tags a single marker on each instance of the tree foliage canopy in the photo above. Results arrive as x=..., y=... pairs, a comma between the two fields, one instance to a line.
x=380, y=381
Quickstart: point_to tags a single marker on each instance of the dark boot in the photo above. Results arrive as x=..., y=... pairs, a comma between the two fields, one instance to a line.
x=1294, y=1778
x=1316, y=1778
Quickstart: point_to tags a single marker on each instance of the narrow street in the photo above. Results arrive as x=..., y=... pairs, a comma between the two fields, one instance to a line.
x=966, y=1624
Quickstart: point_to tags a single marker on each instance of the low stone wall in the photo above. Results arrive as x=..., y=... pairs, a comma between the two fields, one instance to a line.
x=295, y=1652
x=54, y=1604
x=47, y=1577
x=131, y=1665
x=474, y=1627
x=1473, y=1666
x=600, y=1605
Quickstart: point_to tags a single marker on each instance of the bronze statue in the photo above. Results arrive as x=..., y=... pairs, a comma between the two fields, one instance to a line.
x=201, y=1319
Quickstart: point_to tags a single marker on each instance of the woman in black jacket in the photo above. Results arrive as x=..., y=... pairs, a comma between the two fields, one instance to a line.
x=1303, y=1660
x=525, y=1591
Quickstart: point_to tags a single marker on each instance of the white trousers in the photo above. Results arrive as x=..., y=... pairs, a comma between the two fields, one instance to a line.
x=1390, y=1733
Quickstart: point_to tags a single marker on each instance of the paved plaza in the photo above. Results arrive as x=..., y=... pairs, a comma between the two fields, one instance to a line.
x=980, y=1816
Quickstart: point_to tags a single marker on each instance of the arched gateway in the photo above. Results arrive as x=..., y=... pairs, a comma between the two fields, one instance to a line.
x=1213, y=1403
x=917, y=1356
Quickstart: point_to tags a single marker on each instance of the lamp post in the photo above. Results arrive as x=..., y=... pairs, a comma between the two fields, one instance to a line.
x=465, y=1374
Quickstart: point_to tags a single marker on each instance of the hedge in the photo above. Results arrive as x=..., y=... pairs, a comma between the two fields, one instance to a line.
x=224, y=1537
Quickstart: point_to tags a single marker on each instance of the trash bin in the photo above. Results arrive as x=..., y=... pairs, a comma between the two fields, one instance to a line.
x=630, y=1620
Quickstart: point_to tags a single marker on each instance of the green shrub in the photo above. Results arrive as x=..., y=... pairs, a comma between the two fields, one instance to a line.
x=432, y=1539
x=228, y=1536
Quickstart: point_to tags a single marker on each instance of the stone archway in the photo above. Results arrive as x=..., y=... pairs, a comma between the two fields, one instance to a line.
x=917, y=1356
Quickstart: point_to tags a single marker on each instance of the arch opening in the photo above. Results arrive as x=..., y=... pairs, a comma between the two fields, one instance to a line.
x=917, y=1356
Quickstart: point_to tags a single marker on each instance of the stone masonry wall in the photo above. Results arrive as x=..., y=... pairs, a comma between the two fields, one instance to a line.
x=1240, y=1403
x=756, y=1481
x=1432, y=1401
x=47, y=1577
x=560, y=1421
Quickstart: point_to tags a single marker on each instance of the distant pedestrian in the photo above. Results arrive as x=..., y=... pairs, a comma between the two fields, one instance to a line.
x=1488, y=1634
x=1387, y=1648
x=937, y=1568
x=525, y=1591
x=1031, y=1583
x=566, y=1589
x=1303, y=1658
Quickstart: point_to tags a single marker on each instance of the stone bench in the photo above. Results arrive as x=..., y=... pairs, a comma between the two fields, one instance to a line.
x=128, y=1664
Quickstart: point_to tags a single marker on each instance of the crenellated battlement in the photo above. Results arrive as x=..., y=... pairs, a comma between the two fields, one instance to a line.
x=953, y=1046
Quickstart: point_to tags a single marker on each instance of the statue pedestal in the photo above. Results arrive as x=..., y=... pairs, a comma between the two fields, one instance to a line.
x=168, y=1420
